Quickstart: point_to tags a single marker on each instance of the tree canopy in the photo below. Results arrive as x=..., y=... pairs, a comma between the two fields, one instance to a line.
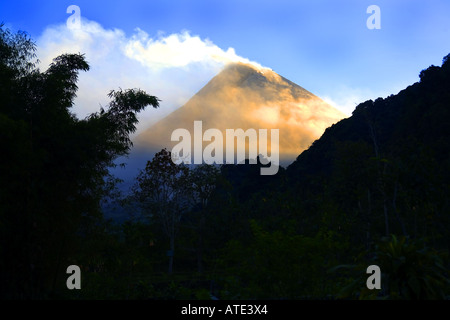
x=54, y=166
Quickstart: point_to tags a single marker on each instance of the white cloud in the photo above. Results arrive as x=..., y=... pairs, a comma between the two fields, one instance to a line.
x=177, y=50
x=172, y=67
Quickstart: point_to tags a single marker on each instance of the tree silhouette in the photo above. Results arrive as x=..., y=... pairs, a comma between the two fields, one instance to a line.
x=204, y=179
x=164, y=190
x=54, y=166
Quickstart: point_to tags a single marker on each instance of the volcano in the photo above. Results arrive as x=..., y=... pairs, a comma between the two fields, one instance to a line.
x=244, y=96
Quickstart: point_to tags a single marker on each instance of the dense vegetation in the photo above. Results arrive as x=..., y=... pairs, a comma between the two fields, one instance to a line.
x=372, y=190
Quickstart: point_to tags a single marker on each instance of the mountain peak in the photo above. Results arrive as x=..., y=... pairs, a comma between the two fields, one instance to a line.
x=246, y=75
x=243, y=96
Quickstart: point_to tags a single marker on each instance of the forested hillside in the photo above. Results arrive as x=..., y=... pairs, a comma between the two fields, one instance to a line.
x=374, y=189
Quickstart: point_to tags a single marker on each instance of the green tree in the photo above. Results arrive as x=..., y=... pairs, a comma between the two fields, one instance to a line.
x=410, y=270
x=54, y=166
x=164, y=189
x=204, y=178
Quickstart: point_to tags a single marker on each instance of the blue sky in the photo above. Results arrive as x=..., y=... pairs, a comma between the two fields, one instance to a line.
x=322, y=45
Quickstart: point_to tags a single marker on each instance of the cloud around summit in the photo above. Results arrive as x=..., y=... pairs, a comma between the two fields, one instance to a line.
x=172, y=67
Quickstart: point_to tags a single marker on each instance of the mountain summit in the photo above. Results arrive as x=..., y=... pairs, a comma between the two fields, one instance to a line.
x=243, y=96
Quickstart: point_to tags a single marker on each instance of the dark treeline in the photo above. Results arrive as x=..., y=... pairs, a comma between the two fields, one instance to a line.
x=373, y=190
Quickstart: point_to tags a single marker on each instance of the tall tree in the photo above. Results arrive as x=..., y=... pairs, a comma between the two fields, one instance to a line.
x=204, y=179
x=54, y=166
x=165, y=191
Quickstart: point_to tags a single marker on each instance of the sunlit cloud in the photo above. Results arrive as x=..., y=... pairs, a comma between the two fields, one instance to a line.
x=178, y=50
x=172, y=67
